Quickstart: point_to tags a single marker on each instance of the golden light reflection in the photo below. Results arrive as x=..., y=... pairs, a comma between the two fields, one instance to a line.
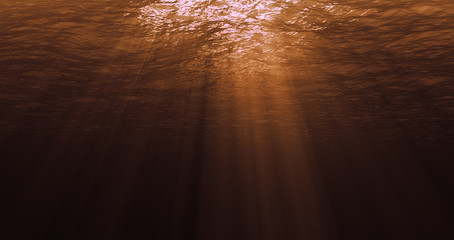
x=237, y=21
x=242, y=29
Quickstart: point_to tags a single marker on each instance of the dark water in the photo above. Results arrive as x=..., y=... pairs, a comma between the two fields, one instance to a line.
x=227, y=119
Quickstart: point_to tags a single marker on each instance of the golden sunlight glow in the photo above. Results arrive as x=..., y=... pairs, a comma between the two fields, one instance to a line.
x=241, y=30
x=241, y=22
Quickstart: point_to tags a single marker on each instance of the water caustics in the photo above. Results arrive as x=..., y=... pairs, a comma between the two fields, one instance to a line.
x=236, y=29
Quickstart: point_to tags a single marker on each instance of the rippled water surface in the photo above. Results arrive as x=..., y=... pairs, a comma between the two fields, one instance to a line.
x=216, y=119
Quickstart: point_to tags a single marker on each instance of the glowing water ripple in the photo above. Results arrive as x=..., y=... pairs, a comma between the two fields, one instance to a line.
x=237, y=21
x=237, y=29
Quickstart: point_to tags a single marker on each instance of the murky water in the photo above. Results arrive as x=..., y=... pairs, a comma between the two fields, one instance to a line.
x=227, y=119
